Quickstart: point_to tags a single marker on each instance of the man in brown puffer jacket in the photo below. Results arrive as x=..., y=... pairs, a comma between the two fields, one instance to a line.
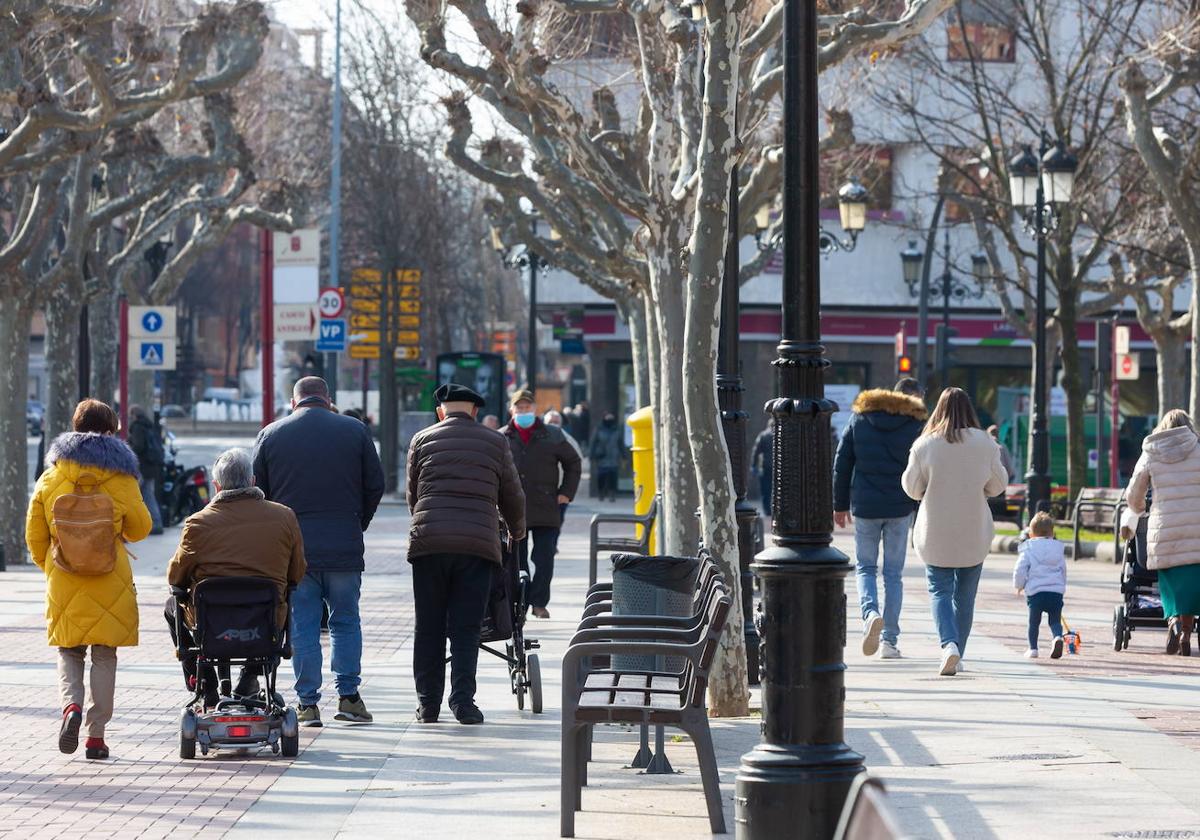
x=459, y=473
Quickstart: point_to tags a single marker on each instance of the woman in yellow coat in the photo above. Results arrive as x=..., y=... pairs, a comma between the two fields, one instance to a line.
x=89, y=610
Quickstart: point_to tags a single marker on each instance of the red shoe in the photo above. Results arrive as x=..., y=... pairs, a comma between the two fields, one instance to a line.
x=95, y=748
x=68, y=734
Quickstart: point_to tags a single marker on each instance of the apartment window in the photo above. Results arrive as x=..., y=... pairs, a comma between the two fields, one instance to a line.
x=980, y=31
x=871, y=165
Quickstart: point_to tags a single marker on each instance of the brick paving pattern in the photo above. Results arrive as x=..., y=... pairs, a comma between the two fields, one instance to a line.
x=146, y=790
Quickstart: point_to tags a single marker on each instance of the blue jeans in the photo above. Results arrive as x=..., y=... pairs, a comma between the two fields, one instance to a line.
x=952, y=598
x=1050, y=603
x=340, y=590
x=149, y=489
x=867, y=536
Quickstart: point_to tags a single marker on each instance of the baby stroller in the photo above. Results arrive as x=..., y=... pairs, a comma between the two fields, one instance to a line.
x=235, y=625
x=1142, y=605
x=504, y=621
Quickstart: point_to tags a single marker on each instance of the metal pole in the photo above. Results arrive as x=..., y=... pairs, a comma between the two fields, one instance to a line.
x=123, y=365
x=531, y=357
x=923, y=303
x=1099, y=412
x=795, y=782
x=1114, y=438
x=335, y=188
x=733, y=421
x=366, y=382
x=267, y=293
x=1037, y=482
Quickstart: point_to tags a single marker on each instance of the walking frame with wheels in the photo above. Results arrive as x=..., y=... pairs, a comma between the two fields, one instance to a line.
x=235, y=621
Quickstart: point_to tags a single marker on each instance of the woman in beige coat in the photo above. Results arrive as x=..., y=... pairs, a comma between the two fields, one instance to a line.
x=1170, y=466
x=952, y=470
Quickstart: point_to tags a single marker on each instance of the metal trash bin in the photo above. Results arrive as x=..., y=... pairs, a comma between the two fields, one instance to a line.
x=653, y=585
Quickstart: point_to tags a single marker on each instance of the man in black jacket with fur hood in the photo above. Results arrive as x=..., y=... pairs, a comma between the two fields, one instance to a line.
x=871, y=457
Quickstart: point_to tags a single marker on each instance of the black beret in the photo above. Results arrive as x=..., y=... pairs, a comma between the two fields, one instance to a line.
x=451, y=392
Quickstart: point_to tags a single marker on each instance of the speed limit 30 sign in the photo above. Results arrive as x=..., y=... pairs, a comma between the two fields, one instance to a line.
x=331, y=302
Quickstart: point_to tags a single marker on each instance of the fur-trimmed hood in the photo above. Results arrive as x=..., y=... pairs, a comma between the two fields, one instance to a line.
x=890, y=402
x=90, y=449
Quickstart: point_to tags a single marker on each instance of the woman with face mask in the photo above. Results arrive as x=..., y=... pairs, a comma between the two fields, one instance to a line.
x=549, y=467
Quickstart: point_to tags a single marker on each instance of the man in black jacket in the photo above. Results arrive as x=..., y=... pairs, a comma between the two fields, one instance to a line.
x=871, y=457
x=550, y=468
x=459, y=473
x=323, y=465
x=146, y=442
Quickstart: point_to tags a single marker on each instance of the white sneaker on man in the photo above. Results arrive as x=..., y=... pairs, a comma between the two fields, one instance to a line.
x=1031, y=653
x=887, y=650
x=958, y=669
x=872, y=627
x=950, y=657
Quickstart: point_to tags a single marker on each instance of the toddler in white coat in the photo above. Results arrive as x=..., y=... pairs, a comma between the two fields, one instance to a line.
x=1041, y=574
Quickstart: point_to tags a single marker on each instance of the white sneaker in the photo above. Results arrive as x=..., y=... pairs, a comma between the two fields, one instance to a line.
x=958, y=669
x=1057, y=650
x=1031, y=653
x=872, y=627
x=887, y=650
x=950, y=659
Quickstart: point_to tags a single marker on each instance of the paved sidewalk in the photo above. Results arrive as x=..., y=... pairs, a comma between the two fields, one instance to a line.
x=1102, y=744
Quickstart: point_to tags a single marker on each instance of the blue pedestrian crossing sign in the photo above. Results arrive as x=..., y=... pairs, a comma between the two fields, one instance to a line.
x=152, y=353
x=332, y=335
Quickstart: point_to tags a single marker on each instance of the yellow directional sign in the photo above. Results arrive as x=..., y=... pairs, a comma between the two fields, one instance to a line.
x=364, y=351
x=364, y=337
x=408, y=337
x=410, y=291
x=365, y=275
x=364, y=321
x=408, y=354
x=410, y=306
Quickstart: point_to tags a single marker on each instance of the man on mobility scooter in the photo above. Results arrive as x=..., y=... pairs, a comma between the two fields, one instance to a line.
x=230, y=578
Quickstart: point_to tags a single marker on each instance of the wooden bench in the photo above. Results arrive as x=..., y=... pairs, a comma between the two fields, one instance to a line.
x=1097, y=508
x=639, y=543
x=646, y=698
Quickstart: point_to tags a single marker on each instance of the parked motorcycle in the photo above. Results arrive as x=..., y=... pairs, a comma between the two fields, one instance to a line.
x=183, y=490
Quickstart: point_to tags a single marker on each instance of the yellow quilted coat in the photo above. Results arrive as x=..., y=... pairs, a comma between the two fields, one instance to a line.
x=100, y=609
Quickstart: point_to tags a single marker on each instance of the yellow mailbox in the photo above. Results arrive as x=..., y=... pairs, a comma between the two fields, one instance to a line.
x=645, y=481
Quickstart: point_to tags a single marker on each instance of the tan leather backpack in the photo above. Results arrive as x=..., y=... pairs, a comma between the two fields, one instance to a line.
x=85, y=543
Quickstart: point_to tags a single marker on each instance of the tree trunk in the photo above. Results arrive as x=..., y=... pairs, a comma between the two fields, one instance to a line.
x=389, y=408
x=634, y=313
x=1077, y=442
x=63, y=311
x=15, y=313
x=104, y=336
x=653, y=374
x=728, y=694
x=1193, y=246
x=141, y=389
x=678, y=530
x=1173, y=368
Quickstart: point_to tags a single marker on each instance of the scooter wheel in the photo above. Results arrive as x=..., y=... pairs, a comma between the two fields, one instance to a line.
x=187, y=747
x=289, y=745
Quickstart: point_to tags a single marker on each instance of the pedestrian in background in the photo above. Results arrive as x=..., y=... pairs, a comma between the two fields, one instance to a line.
x=1005, y=456
x=871, y=458
x=459, y=475
x=953, y=468
x=1169, y=467
x=549, y=468
x=90, y=598
x=145, y=439
x=607, y=452
x=492, y=422
x=762, y=464
x=1041, y=576
x=555, y=418
x=323, y=465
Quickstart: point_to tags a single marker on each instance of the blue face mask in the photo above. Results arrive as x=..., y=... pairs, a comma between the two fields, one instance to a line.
x=525, y=421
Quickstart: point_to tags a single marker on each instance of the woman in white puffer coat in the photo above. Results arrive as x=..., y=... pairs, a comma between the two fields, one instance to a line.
x=1170, y=467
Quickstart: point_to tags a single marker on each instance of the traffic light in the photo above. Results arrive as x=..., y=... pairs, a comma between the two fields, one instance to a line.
x=943, y=351
x=904, y=366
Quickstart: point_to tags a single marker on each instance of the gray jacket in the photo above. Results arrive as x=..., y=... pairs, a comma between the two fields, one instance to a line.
x=324, y=467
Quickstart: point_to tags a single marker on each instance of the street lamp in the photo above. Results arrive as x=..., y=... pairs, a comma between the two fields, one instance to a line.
x=795, y=782
x=852, y=212
x=1038, y=184
x=522, y=258
x=911, y=260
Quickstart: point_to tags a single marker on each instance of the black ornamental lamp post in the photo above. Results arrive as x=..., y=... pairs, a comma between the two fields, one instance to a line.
x=526, y=258
x=1038, y=184
x=795, y=782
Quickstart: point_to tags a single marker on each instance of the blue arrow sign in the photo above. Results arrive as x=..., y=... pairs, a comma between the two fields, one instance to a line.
x=152, y=322
x=332, y=338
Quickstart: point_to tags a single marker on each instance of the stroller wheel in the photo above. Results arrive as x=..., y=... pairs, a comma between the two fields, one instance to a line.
x=518, y=684
x=534, y=669
x=1120, y=628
